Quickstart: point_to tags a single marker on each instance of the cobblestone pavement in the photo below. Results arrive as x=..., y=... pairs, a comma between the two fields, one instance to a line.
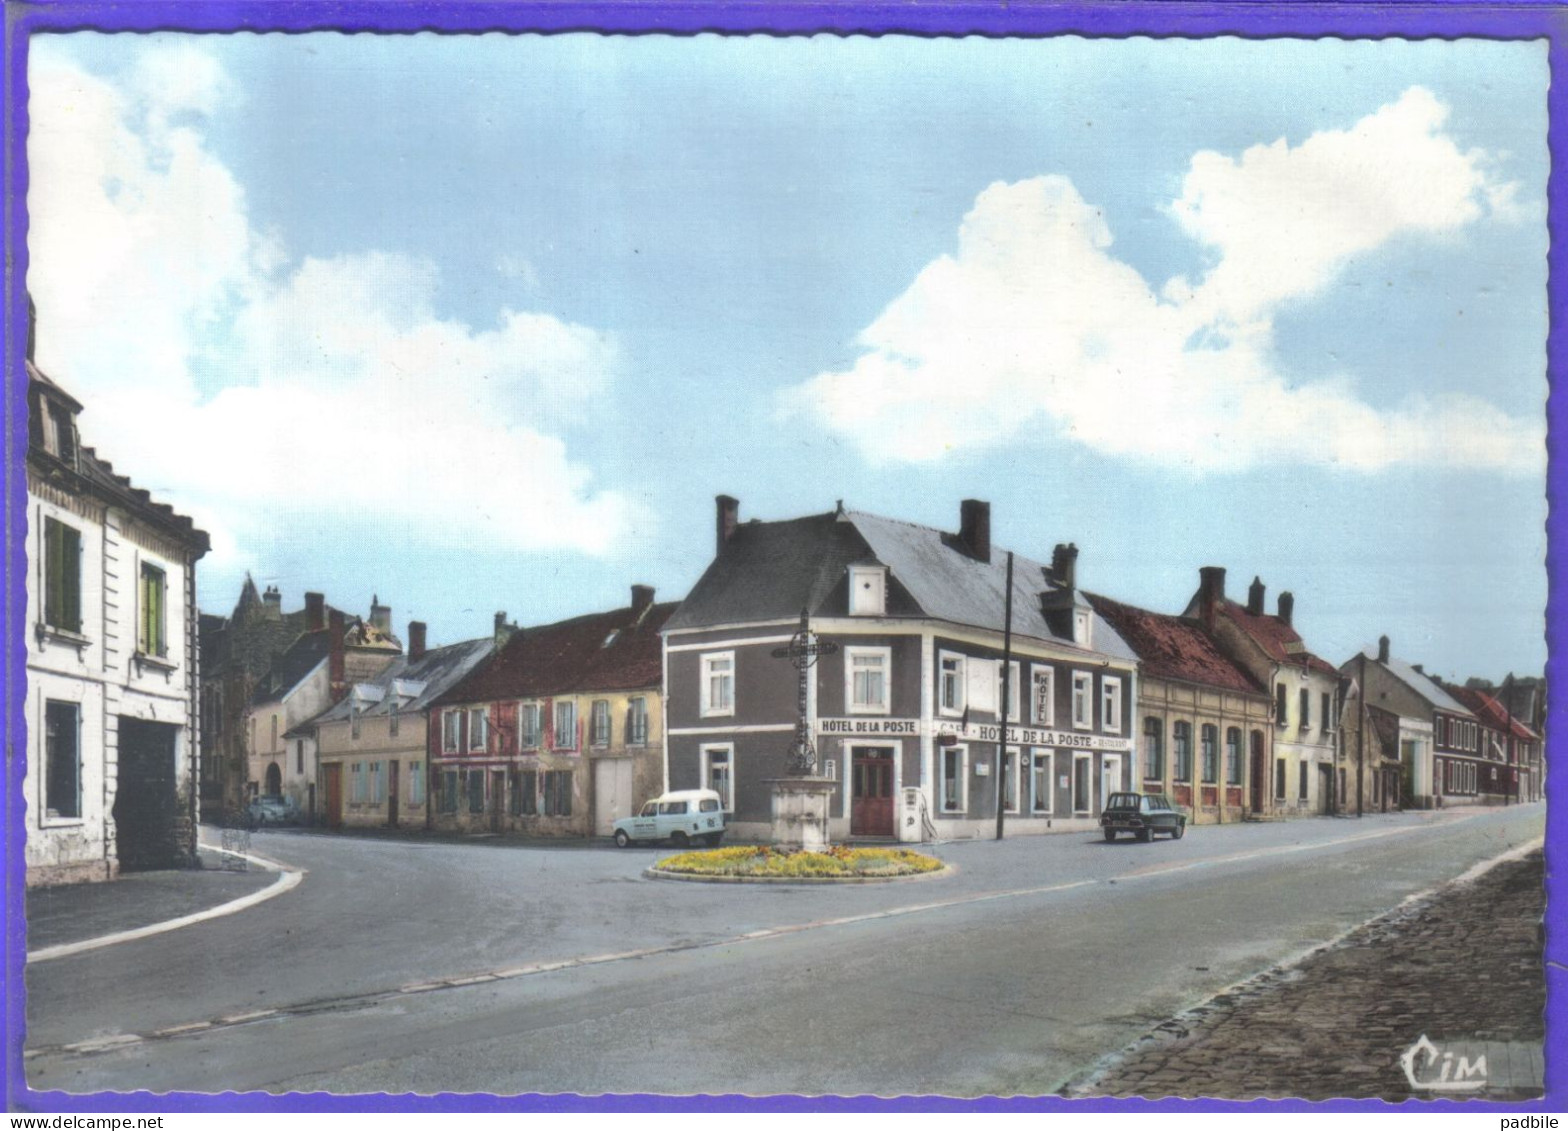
x=1462, y=967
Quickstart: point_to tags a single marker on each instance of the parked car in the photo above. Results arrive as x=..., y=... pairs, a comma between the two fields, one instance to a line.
x=272, y=809
x=680, y=816
x=1143, y=815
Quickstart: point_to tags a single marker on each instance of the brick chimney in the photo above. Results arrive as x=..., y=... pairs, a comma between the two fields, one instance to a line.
x=336, y=672
x=1064, y=565
x=315, y=612
x=642, y=598
x=1287, y=608
x=726, y=516
x=503, y=631
x=1211, y=593
x=416, y=640
x=974, y=528
x=1382, y=649
x=272, y=603
x=380, y=615
x=1255, y=597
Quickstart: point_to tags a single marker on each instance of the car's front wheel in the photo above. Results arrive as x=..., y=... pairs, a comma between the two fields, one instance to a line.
x=621, y=839
x=1110, y=834
x=1181, y=828
x=1145, y=835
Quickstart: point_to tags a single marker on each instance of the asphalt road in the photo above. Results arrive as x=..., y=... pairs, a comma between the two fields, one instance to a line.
x=1016, y=973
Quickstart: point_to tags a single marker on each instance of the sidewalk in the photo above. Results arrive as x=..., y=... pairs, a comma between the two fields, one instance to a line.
x=76, y=912
x=1463, y=968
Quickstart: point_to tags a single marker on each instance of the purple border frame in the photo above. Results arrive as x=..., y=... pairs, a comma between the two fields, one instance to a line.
x=1438, y=19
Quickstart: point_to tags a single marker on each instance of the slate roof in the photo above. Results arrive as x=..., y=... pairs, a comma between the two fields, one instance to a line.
x=1172, y=647
x=438, y=669
x=1422, y=685
x=572, y=656
x=301, y=658
x=771, y=570
x=1280, y=641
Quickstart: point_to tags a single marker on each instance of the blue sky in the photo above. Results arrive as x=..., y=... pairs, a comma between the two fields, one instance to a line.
x=484, y=323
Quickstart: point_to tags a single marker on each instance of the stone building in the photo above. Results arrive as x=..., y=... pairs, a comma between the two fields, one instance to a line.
x=1202, y=720
x=560, y=732
x=907, y=714
x=112, y=663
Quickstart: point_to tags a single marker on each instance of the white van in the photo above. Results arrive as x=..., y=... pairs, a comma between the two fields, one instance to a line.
x=682, y=816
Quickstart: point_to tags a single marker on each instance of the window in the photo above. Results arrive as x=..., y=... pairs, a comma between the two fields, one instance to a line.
x=1082, y=784
x=449, y=791
x=1040, y=784
x=62, y=760
x=1326, y=713
x=1210, y=738
x=718, y=773
x=392, y=711
x=1010, y=784
x=1014, y=691
x=152, y=637
x=954, y=763
x=476, y=791
x=1153, y=749
x=62, y=576
x=356, y=783
x=1110, y=704
x=718, y=684
x=557, y=793
x=378, y=784
x=1280, y=704
x=274, y=744
x=478, y=728
x=566, y=724
x=416, y=783
x=1301, y=789
x=867, y=591
x=1306, y=709
x=599, y=727
x=866, y=671
x=514, y=779
x=1083, y=707
x=637, y=722
x=1181, y=739
x=1044, y=696
x=530, y=726
x=1233, y=756
x=526, y=801
x=980, y=683
x=1279, y=779
x=950, y=685
x=353, y=721
x=449, y=729
x=64, y=434
x=299, y=755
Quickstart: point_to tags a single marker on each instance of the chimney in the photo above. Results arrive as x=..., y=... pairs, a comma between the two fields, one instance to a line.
x=380, y=615
x=272, y=604
x=315, y=612
x=1255, y=597
x=1287, y=608
x=503, y=631
x=1211, y=592
x=642, y=598
x=335, y=666
x=974, y=528
x=416, y=640
x=1419, y=668
x=1064, y=565
x=1382, y=649
x=726, y=517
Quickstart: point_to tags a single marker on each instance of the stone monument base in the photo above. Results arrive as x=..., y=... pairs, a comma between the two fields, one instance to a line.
x=800, y=812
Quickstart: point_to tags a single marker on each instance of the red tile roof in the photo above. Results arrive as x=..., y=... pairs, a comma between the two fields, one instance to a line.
x=1490, y=711
x=1170, y=647
x=1282, y=642
x=614, y=651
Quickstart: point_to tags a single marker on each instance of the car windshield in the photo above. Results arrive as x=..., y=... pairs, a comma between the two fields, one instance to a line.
x=1150, y=804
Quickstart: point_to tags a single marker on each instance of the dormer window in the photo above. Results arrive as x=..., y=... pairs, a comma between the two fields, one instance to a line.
x=867, y=591
x=63, y=433
x=1081, y=627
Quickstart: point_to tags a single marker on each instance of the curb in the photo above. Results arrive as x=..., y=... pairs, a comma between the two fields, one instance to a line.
x=657, y=873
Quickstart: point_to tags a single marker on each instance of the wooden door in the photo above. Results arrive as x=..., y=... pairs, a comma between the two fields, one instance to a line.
x=392, y=794
x=1260, y=774
x=497, y=800
x=334, y=785
x=612, y=793
x=871, y=791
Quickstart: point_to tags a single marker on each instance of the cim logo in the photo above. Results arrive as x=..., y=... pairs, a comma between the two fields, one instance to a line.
x=1431, y=1069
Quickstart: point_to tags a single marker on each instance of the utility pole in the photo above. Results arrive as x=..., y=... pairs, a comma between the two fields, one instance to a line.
x=1361, y=738
x=1007, y=668
x=1512, y=765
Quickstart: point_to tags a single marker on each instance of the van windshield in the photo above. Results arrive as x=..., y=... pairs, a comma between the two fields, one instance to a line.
x=651, y=809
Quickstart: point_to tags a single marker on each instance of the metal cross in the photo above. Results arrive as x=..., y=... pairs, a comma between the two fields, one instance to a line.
x=802, y=651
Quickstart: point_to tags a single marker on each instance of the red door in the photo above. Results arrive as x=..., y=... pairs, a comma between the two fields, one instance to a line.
x=871, y=791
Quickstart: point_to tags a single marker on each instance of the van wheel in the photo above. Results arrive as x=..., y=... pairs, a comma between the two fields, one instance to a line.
x=679, y=840
x=713, y=839
x=621, y=839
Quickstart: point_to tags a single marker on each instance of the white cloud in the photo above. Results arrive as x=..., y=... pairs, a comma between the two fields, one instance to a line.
x=342, y=395
x=1034, y=324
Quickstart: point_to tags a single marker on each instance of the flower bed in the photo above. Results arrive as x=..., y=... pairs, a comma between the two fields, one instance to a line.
x=838, y=863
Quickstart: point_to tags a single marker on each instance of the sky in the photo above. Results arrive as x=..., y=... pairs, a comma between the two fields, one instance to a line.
x=484, y=323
